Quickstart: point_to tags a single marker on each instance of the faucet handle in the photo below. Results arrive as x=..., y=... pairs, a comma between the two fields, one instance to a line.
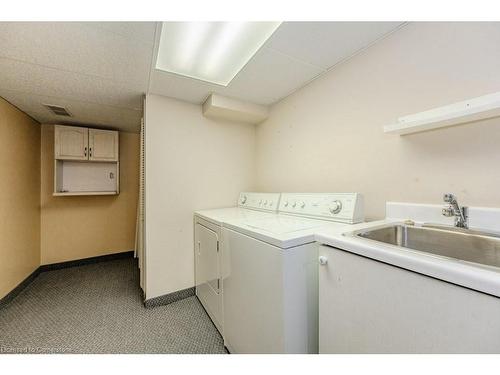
x=448, y=211
x=448, y=198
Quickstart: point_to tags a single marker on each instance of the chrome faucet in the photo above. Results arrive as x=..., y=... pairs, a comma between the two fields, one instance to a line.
x=461, y=214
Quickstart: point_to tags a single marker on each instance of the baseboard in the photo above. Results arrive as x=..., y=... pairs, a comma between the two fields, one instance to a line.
x=169, y=298
x=57, y=266
x=19, y=288
x=84, y=261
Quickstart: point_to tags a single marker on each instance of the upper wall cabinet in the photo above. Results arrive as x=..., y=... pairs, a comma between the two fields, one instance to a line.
x=75, y=143
x=71, y=143
x=86, y=161
x=103, y=145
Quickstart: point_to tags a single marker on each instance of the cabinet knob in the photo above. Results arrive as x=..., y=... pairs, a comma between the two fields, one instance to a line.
x=323, y=260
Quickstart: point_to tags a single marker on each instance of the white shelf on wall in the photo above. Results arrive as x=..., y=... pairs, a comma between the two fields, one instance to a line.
x=475, y=109
x=73, y=193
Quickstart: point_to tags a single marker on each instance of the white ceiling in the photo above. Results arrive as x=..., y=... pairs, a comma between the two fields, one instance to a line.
x=100, y=70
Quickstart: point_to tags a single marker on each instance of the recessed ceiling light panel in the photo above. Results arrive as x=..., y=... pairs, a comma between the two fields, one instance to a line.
x=210, y=51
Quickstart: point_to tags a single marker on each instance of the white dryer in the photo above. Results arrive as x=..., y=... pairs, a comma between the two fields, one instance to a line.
x=270, y=273
x=207, y=245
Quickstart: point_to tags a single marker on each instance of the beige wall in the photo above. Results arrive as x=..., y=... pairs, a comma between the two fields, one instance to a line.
x=82, y=227
x=19, y=196
x=192, y=163
x=328, y=136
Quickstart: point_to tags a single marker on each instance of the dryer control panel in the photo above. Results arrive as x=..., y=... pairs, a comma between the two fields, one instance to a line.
x=259, y=201
x=341, y=207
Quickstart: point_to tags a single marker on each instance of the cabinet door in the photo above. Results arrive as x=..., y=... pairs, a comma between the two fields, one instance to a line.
x=366, y=306
x=71, y=143
x=103, y=145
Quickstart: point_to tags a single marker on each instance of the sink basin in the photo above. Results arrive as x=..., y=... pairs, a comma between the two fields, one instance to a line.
x=462, y=244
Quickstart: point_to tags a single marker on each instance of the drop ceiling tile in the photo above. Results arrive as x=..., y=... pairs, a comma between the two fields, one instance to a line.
x=140, y=31
x=183, y=88
x=77, y=47
x=36, y=79
x=269, y=77
x=83, y=113
x=324, y=44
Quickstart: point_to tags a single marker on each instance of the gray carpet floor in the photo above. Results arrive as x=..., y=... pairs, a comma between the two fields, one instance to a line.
x=97, y=308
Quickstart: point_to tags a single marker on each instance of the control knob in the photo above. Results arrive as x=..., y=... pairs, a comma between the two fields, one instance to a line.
x=294, y=204
x=302, y=204
x=243, y=199
x=335, y=207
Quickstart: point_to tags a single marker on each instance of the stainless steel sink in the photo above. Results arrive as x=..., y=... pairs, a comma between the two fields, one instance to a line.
x=457, y=243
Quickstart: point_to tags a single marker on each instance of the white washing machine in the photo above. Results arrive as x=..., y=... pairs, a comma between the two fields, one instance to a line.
x=207, y=243
x=270, y=272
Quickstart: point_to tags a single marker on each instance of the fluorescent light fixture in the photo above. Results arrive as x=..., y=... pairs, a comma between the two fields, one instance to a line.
x=210, y=51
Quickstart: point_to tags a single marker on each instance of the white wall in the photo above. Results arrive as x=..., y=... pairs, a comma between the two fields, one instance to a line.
x=328, y=136
x=192, y=163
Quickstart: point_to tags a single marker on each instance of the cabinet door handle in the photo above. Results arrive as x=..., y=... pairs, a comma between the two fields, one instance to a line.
x=90, y=150
x=85, y=151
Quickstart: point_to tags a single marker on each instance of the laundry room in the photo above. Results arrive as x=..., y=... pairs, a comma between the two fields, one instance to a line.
x=195, y=182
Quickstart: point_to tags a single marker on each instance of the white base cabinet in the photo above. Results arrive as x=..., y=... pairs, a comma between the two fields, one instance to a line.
x=366, y=306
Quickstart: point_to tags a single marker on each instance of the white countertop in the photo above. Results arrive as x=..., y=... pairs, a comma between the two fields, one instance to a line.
x=474, y=276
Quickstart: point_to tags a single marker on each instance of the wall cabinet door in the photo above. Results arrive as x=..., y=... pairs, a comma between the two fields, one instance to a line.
x=71, y=143
x=103, y=145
